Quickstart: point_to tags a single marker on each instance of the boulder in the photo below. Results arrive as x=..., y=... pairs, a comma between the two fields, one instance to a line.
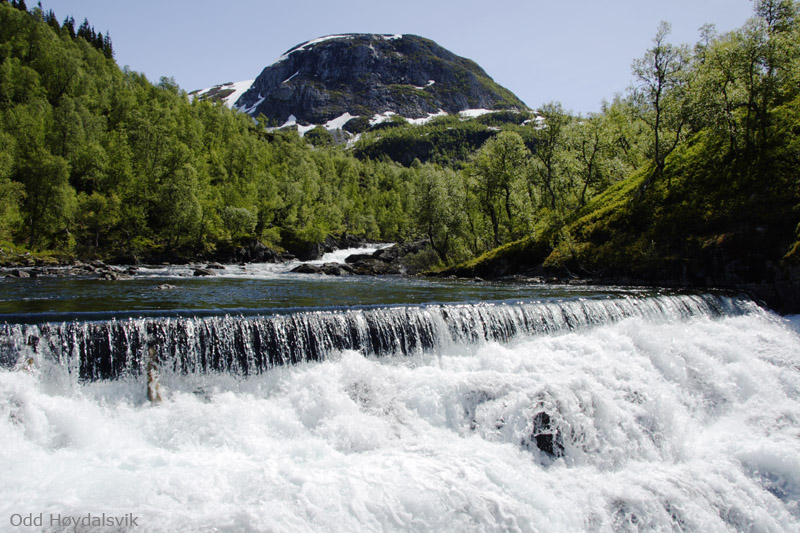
x=398, y=251
x=336, y=269
x=355, y=258
x=203, y=272
x=329, y=269
x=306, y=268
x=546, y=435
x=375, y=267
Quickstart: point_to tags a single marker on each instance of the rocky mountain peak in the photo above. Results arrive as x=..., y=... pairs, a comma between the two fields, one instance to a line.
x=337, y=78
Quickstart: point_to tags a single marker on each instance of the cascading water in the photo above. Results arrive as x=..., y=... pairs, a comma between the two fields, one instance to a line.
x=339, y=256
x=251, y=345
x=625, y=412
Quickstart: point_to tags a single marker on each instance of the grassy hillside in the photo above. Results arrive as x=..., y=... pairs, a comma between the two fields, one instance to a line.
x=714, y=218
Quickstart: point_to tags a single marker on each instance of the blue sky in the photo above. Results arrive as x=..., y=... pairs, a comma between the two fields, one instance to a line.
x=577, y=52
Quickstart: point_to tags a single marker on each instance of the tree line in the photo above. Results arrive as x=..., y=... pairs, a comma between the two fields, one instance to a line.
x=98, y=161
x=707, y=133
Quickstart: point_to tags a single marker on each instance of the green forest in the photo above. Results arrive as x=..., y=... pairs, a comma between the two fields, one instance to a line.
x=701, y=153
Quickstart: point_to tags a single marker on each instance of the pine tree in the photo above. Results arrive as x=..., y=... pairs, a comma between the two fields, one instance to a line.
x=51, y=20
x=85, y=30
x=69, y=25
x=108, y=50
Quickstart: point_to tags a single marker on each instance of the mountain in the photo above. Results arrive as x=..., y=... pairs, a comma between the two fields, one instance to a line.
x=332, y=80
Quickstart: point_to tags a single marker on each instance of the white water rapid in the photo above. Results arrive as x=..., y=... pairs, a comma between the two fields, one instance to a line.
x=681, y=416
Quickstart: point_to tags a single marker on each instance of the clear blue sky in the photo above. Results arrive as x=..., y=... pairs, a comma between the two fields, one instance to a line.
x=575, y=51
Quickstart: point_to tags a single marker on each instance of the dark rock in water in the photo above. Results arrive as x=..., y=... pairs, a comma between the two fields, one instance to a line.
x=336, y=269
x=17, y=273
x=203, y=272
x=306, y=268
x=304, y=250
x=215, y=266
x=375, y=267
x=310, y=252
x=329, y=269
x=398, y=251
x=387, y=255
x=355, y=258
x=546, y=435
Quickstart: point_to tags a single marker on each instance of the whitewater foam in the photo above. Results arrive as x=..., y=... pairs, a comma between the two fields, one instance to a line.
x=671, y=424
x=339, y=256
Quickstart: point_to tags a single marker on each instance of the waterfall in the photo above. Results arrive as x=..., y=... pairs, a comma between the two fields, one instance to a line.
x=247, y=345
x=615, y=412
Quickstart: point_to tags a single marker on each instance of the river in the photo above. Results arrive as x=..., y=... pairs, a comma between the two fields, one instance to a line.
x=301, y=402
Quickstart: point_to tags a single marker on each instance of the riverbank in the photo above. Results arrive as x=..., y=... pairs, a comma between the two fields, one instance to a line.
x=776, y=287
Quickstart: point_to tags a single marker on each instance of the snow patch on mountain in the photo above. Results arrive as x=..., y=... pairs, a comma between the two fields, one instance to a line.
x=473, y=113
x=312, y=42
x=239, y=88
x=423, y=87
x=339, y=122
x=381, y=118
x=227, y=93
x=248, y=110
x=425, y=120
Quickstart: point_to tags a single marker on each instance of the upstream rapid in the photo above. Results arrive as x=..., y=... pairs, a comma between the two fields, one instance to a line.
x=294, y=402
